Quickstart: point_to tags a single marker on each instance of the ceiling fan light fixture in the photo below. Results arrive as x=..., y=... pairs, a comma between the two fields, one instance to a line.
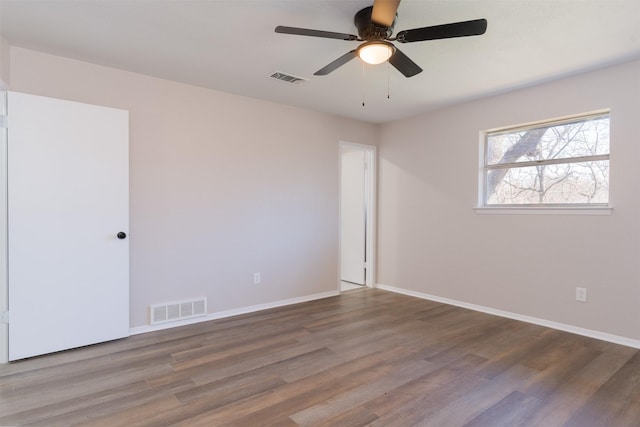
x=375, y=52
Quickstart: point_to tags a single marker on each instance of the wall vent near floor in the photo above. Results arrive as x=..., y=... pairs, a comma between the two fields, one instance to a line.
x=178, y=310
x=287, y=78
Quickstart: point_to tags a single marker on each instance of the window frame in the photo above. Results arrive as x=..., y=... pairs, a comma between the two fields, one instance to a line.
x=538, y=208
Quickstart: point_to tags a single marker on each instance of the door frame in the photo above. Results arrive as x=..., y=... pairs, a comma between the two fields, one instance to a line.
x=4, y=283
x=371, y=156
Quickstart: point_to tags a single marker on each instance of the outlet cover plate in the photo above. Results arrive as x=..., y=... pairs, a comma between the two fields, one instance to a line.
x=581, y=294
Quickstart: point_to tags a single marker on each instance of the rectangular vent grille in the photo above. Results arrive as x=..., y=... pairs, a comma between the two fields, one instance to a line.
x=178, y=310
x=287, y=78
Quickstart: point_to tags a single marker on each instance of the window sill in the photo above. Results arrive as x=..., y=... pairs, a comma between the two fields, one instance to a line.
x=535, y=210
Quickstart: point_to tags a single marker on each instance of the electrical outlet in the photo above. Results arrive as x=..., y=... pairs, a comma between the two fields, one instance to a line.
x=581, y=294
x=257, y=279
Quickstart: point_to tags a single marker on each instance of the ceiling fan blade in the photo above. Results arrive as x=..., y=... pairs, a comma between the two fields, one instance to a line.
x=404, y=64
x=445, y=31
x=314, y=33
x=336, y=64
x=384, y=12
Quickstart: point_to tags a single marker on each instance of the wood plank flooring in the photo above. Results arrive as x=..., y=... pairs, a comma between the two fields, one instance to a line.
x=367, y=357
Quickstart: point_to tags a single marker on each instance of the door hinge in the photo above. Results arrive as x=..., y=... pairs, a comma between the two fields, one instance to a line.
x=4, y=317
x=3, y=122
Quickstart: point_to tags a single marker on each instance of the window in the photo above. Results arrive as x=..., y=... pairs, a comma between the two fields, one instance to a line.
x=559, y=163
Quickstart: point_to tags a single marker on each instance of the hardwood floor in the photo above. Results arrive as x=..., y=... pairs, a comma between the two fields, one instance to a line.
x=367, y=357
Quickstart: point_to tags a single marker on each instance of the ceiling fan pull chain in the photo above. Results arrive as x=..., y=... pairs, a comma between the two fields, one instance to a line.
x=388, y=80
x=362, y=86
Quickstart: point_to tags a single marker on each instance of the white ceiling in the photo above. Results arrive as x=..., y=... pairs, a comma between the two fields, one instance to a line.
x=230, y=45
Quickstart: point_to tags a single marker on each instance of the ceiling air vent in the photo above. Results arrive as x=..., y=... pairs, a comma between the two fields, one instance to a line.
x=287, y=78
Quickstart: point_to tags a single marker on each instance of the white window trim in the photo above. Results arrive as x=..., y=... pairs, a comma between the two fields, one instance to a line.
x=549, y=210
x=578, y=209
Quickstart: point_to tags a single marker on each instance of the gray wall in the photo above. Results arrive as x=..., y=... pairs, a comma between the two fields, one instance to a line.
x=222, y=186
x=430, y=240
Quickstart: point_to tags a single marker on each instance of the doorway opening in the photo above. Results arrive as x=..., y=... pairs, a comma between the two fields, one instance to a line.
x=357, y=215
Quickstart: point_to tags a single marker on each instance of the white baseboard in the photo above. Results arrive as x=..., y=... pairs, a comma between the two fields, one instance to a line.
x=228, y=313
x=616, y=339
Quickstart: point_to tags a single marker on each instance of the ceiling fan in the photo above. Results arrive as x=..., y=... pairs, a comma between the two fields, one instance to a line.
x=375, y=27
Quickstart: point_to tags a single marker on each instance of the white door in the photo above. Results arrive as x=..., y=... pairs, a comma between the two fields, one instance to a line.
x=68, y=198
x=353, y=216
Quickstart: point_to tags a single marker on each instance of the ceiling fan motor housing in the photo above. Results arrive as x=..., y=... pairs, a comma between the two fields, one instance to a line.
x=367, y=30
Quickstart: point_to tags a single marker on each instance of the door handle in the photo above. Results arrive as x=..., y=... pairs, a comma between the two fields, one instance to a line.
x=122, y=235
